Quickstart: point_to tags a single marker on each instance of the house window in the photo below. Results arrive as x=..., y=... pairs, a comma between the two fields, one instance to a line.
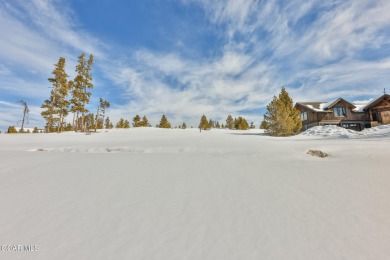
x=303, y=116
x=339, y=111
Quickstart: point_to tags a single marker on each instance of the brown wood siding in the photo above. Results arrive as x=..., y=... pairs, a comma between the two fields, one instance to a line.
x=311, y=115
x=385, y=115
x=350, y=115
x=382, y=110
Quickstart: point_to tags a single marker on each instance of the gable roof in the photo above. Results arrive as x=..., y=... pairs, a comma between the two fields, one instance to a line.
x=375, y=101
x=334, y=102
x=357, y=106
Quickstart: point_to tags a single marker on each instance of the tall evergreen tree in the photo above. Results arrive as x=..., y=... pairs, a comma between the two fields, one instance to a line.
x=145, y=122
x=204, y=124
x=108, y=124
x=121, y=123
x=56, y=107
x=211, y=123
x=164, y=123
x=241, y=124
x=89, y=121
x=101, y=112
x=82, y=85
x=184, y=126
x=217, y=125
x=136, y=121
x=126, y=124
x=229, y=122
x=281, y=118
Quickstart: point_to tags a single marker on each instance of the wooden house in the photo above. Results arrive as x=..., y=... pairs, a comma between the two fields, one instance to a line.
x=379, y=110
x=338, y=112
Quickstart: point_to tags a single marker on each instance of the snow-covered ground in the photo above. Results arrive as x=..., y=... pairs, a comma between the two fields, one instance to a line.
x=151, y=193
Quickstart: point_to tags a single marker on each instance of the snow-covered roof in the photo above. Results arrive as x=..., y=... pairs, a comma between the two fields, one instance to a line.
x=334, y=102
x=315, y=106
x=374, y=101
x=326, y=105
x=360, y=105
x=357, y=106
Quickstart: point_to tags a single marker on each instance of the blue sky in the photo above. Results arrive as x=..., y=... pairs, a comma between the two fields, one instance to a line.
x=186, y=58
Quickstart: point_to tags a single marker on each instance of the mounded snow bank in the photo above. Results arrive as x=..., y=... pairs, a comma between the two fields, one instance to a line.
x=336, y=131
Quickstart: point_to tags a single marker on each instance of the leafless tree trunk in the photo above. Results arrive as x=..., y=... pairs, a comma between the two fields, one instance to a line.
x=26, y=110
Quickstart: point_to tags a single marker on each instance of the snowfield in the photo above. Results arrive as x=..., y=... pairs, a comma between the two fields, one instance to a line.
x=151, y=193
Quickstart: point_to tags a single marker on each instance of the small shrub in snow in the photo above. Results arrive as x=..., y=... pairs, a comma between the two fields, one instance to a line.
x=12, y=130
x=317, y=153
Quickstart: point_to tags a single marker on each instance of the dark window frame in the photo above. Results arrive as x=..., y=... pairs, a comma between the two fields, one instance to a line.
x=303, y=116
x=339, y=111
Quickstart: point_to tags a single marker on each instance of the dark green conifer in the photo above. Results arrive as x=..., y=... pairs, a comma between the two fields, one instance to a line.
x=164, y=122
x=126, y=124
x=82, y=85
x=121, y=123
x=55, y=109
x=204, y=124
x=281, y=118
x=229, y=122
x=136, y=121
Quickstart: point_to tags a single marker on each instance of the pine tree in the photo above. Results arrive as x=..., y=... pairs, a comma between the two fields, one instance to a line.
x=136, y=121
x=101, y=112
x=211, y=123
x=281, y=118
x=82, y=83
x=204, y=124
x=264, y=124
x=217, y=125
x=108, y=124
x=164, y=122
x=183, y=126
x=252, y=126
x=100, y=123
x=48, y=112
x=229, y=122
x=69, y=127
x=56, y=107
x=126, y=124
x=89, y=121
x=121, y=123
x=35, y=131
x=241, y=124
x=145, y=122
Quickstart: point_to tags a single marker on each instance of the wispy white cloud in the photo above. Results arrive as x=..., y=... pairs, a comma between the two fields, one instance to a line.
x=317, y=49
x=12, y=115
x=34, y=35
